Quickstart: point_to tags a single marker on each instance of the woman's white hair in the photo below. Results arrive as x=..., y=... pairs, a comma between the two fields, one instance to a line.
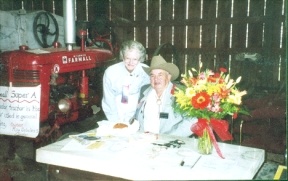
x=132, y=45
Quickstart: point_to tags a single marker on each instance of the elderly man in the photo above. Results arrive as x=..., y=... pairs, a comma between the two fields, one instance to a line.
x=155, y=112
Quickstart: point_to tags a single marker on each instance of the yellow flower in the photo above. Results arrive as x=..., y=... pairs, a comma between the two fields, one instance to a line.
x=202, y=82
x=185, y=82
x=234, y=99
x=181, y=98
x=237, y=97
x=190, y=92
x=224, y=98
x=213, y=89
x=199, y=87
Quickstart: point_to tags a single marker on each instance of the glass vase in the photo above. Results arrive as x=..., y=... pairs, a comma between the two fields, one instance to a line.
x=204, y=143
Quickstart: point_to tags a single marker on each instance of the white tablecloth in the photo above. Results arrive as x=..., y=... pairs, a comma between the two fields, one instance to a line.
x=135, y=157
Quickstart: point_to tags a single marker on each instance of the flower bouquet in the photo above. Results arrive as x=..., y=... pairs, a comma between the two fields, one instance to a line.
x=209, y=96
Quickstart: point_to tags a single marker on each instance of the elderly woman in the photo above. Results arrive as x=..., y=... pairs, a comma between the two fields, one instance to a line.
x=155, y=112
x=122, y=82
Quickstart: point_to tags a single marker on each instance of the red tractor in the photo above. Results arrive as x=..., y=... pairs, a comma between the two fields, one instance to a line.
x=62, y=75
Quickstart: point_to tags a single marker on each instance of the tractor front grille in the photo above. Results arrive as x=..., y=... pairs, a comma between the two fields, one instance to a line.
x=3, y=75
x=26, y=77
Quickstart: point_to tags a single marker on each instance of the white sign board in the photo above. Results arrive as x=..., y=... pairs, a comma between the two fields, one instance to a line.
x=20, y=111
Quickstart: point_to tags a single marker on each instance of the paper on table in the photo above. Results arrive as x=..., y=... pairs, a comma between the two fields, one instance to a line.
x=84, y=141
x=96, y=138
x=75, y=145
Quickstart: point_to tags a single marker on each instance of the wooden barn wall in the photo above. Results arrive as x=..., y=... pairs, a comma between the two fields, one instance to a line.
x=215, y=32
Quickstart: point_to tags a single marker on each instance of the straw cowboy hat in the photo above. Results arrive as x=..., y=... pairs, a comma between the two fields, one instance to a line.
x=158, y=62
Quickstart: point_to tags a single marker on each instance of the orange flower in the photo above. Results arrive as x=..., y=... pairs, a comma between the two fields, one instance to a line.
x=212, y=79
x=224, y=92
x=200, y=100
x=216, y=77
x=193, y=81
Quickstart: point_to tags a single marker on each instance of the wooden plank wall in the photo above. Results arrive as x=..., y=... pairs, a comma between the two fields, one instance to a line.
x=215, y=32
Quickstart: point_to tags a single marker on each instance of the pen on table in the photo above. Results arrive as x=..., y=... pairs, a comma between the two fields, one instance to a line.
x=196, y=162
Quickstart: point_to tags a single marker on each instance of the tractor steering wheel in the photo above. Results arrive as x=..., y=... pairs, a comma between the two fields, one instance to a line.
x=44, y=31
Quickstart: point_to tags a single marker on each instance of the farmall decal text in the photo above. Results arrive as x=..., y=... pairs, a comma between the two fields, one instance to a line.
x=75, y=59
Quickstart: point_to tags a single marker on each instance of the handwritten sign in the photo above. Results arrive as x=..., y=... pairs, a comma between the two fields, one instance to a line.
x=20, y=111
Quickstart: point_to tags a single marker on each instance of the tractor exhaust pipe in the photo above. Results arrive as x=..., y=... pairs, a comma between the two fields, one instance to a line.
x=69, y=23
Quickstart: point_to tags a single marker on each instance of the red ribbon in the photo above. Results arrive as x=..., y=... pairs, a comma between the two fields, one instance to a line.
x=219, y=126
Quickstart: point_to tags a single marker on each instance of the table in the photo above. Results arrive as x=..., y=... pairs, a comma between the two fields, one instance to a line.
x=137, y=157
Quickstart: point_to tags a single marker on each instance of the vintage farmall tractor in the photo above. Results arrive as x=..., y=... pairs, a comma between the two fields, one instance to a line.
x=62, y=73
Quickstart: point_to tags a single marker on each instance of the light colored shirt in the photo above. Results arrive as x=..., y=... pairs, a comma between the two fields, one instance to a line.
x=153, y=107
x=121, y=90
x=168, y=121
x=151, y=113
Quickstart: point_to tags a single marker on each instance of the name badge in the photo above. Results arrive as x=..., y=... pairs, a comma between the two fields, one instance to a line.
x=164, y=115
